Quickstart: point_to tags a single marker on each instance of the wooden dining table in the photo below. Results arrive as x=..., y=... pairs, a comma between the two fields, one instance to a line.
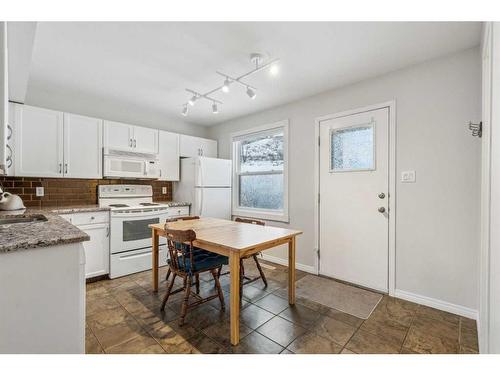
x=234, y=240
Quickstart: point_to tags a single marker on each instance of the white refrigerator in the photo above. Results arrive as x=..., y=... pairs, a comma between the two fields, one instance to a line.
x=206, y=184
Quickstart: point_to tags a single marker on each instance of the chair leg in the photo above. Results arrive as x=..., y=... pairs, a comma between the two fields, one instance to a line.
x=168, y=274
x=186, y=299
x=219, y=290
x=170, y=286
x=242, y=277
x=197, y=283
x=260, y=270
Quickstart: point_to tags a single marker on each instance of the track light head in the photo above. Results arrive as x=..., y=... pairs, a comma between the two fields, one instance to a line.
x=192, y=100
x=184, y=110
x=225, y=87
x=251, y=93
x=215, y=110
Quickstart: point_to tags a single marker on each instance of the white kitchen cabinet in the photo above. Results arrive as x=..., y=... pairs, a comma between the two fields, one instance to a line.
x=168, y=148
x=195, y=146
x=38, y=140
x=125, y=137
x=145, y=140
x=82, y=146
x=118, y=136
x=96, y=225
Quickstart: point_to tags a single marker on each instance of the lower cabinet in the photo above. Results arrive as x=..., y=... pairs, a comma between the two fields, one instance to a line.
x=96, y=225
x=96, y=250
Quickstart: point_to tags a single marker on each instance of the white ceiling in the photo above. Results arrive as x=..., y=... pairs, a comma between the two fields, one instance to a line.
x=151, y=64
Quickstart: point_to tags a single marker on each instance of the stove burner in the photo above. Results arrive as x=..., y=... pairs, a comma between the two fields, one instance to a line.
x=148, y=204
x=118, y=205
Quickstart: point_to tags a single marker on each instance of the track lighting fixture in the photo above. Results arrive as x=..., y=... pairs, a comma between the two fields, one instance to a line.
x=185, y=110
x=251, y=94
x=225, y=86
x=256, y=59
x=192, y=100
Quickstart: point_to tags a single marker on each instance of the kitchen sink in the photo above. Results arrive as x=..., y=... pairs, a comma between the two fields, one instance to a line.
x=17, y=219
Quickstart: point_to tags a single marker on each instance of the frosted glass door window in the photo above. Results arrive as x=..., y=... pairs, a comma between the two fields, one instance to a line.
x=352, y=149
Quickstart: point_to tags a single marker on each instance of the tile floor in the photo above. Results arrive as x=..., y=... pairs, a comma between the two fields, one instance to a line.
x=123, y=316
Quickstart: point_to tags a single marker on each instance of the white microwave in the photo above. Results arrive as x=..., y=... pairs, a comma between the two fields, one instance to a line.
x=131, y=165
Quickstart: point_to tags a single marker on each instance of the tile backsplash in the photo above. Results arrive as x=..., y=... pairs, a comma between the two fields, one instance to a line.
x=60, y=192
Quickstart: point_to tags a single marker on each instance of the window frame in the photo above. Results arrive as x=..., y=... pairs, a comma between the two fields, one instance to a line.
x=373, y=125
x=260, y=213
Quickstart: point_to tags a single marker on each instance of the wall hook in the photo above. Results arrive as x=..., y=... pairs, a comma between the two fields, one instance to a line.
x=476, y=129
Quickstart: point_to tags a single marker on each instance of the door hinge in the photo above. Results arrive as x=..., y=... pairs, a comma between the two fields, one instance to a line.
x=318, y=253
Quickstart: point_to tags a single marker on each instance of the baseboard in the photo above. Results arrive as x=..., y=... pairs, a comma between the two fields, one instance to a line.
x=284, y=262
x=437, y=304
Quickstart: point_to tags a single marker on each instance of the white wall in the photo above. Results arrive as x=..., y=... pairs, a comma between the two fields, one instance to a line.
x=437, y=219
x=3, y=95
x=109, y=109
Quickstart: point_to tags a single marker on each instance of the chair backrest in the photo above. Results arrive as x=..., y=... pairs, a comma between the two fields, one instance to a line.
x=182, y=218
x=180, y=247
x=249, y=221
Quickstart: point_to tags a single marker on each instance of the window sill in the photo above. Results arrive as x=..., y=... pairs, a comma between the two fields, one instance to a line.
x=259, y=214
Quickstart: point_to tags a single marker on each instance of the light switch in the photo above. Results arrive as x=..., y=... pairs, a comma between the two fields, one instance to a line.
x=164, y=190
x=40, y=191
x=408, y=176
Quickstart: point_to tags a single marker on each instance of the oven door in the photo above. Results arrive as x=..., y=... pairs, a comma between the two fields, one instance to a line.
x=130, y=230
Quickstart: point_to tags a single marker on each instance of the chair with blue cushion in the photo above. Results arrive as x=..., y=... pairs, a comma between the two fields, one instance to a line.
x=187, y=261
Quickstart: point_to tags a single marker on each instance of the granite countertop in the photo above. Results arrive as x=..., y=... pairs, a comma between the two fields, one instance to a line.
x=22, y=236
x=76, y=209
x=174, y=204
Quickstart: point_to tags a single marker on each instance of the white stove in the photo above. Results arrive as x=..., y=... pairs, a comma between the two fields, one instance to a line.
x=132, y=211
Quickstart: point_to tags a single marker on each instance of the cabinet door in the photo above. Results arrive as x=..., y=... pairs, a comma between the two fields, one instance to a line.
x=118, y=136
x=208, y=148
x=145, y=140
x=169, y=156
x=38, y=142
x=82, y=146
x=96, y=250
x=189, y=146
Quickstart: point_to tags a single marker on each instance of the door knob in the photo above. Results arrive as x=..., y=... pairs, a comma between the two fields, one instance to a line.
x=381, y=210
x=381, y=195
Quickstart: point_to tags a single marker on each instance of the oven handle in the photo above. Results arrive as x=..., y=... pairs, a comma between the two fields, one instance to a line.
x=142, y=214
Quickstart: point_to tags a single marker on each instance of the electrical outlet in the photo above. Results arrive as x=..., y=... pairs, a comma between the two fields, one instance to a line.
x=40, y=191
x=408, y=176
x=164, y=190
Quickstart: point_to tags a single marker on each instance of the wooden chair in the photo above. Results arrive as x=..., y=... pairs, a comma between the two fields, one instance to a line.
x=244, y=280
x=187, y=261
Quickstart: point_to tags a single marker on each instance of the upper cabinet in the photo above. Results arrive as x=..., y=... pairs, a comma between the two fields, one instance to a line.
x=38, y=142
x=169, y=156
x=195, y=146
x=133, y=138
x=52, y=144
x=82, y=136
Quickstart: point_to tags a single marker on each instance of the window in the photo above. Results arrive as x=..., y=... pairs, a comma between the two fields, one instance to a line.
x=260, y=188
x=352, y=149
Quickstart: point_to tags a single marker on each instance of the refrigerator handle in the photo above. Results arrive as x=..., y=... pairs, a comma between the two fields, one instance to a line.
x=201, y=181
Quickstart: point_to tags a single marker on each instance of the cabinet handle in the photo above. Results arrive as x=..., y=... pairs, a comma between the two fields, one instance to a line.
x=135, y=142
x=131, y=142
x=107, y=231
x=60, y=168
x=66, y=168
x=201, y=151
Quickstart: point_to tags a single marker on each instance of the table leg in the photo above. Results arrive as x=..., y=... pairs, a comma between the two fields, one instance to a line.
x=291, y=271
x=234, y=266
x=155, y=253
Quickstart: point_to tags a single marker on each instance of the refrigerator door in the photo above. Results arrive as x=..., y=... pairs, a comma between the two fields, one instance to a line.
x=212, y=202
x=212, y=172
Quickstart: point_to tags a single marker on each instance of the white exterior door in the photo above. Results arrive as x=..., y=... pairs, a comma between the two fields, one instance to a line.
x=38, y=139
x=354, y=183
x=168, y=148
x=145, y=140
x=82, y=146
x=118, y=136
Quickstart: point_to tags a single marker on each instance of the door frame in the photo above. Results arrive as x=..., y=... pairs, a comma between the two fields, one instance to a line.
x=391, y=106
